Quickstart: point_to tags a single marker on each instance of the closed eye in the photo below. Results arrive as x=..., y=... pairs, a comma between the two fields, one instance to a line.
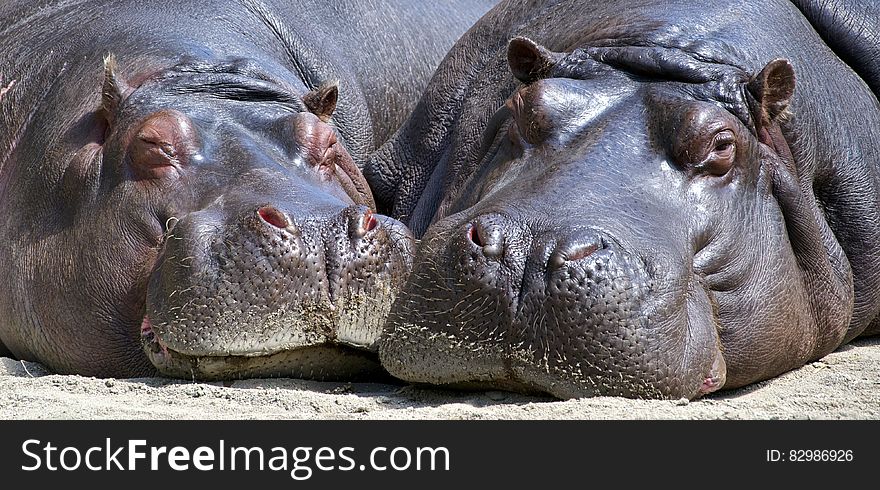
x=163, y=146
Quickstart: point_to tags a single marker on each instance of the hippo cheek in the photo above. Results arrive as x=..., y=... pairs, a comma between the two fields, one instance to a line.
x=584, y=318
x=262, y=295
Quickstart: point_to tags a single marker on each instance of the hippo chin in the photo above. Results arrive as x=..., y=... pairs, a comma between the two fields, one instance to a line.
x=636, y=205
x=182, y=192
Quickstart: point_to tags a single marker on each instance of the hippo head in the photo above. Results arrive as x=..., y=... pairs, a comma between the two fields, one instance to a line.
x=633, y=226
x=247, y=225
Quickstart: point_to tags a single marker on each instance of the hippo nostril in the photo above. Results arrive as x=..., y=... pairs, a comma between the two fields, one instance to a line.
x=366, y=224
x=474, y=236
x=370, y=221
x=273, y=216
x=560, y=257
x=491, y=240
x=582, y=252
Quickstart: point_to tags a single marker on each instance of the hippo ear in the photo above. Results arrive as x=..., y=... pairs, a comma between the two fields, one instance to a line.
x=322, y=101
x=530, y=61
x=772, y=88
x=114, y=89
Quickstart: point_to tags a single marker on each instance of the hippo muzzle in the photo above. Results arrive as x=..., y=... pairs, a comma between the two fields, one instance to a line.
x=572, y=313
x=269, y=294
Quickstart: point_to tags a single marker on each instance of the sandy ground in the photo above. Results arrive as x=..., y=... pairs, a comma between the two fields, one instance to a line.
x=843, y=385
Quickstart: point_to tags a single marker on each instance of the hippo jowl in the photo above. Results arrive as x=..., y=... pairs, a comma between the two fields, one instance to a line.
x=179, y=181
x=641, y=198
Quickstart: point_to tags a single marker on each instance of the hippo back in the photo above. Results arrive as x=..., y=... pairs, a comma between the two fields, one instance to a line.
x=381, y=52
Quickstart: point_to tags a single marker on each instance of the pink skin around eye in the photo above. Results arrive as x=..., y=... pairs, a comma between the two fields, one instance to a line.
x=161, y=145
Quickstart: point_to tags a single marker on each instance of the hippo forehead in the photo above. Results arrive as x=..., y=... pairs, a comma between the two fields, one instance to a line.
x=670, y=73
x=200, y=85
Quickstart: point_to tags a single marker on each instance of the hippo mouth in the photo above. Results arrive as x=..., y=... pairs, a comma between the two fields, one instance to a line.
x=326, y=362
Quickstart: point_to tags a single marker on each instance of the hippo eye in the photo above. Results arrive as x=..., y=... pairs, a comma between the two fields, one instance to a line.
x=149, y=151
x=724, y=143
x=167, y=149
x=721, y=153
x=160, y=145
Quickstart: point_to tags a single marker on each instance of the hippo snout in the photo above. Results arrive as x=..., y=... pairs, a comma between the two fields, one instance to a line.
x=516, y=304
x=268, y=290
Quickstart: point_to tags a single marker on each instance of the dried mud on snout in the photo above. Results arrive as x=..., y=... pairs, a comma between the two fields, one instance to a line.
x=843, y=385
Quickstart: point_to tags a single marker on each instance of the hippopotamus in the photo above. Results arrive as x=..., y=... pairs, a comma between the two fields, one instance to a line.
x=180, y=181
x=648, y=199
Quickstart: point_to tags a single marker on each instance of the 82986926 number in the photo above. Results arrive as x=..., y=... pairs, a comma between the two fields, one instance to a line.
x=822, y=455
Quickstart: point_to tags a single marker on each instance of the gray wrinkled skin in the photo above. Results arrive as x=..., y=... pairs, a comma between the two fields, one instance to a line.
x=181, y=191
x=643, y=199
